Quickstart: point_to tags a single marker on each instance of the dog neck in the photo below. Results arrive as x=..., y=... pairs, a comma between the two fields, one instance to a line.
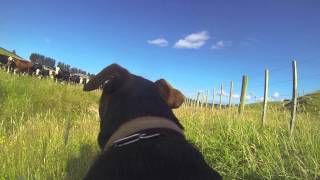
x=139, y=124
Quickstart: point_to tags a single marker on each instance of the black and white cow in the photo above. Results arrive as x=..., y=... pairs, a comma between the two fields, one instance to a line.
x=44, y=73
x=11, y=65
x=75, y=79
x=80, y=79
x=48, y=72
x=61, y=75
x=36, y=69
x=3, y=61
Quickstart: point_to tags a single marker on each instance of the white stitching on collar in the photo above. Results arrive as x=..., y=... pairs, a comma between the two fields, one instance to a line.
x=137, y=137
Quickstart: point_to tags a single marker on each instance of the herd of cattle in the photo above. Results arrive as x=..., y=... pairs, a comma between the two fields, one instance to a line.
x=15, y=65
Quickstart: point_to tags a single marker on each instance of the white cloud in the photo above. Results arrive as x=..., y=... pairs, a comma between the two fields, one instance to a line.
x=236, y=96
x=159, y=42
x=193, y=41
x=222, y=44
x=249, y=41
x=254, y=40
x=47, y=40
x=276, y=95
x=223, y=93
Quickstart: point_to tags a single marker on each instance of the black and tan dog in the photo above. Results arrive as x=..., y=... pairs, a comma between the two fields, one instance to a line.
x=140, y=137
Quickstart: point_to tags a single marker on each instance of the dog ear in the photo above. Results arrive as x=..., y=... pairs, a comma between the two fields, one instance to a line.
x=109, y=78
x=173, y=97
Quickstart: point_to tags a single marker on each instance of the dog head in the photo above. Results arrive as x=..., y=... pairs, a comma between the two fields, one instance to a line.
x=126, y=96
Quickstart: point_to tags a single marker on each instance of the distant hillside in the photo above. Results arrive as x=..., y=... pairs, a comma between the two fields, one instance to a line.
x=309, y=103
x=8, y=53
x=272, y=104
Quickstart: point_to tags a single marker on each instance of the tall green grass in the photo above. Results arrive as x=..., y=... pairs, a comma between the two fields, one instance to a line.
x=240, y=148
x=49, y=130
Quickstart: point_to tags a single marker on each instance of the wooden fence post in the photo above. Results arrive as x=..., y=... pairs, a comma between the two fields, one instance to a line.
x=185, y=104
x=187, y=101
x=294, y=96
x=243, y=93
x=194, y=101
x=198, y=100
x=213, y=96
x=207, y=98
x=221, y=93
x=201, y=100
x=230, y=94
x=265, y=100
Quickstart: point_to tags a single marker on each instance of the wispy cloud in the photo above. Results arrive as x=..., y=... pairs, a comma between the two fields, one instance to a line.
x=260, y=99
x=159, y=42
x=235, y=96
x=47, y=40
x=223, y=93
x=222, y=44
x=193, y=41
x=249, y=41
x=276, y=97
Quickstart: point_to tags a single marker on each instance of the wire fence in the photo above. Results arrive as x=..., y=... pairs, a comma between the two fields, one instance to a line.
x=280, y=89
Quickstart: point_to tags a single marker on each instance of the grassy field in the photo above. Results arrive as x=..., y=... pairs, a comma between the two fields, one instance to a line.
x=49, y=130
x=7, y=53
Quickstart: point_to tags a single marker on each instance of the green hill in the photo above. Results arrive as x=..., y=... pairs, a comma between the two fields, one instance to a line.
x=8, y=53
x=309, y=103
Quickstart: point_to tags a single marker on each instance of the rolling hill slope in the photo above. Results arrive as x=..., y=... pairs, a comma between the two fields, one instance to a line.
x=309, y=103
x=8, y=53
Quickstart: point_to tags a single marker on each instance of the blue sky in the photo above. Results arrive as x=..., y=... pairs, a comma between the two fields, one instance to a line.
x=195, y=45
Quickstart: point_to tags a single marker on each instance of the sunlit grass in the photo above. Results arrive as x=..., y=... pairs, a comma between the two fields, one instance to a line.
x=239, y=147
x=49, y=131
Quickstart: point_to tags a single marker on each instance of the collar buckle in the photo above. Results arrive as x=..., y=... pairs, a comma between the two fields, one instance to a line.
x=133, y=138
